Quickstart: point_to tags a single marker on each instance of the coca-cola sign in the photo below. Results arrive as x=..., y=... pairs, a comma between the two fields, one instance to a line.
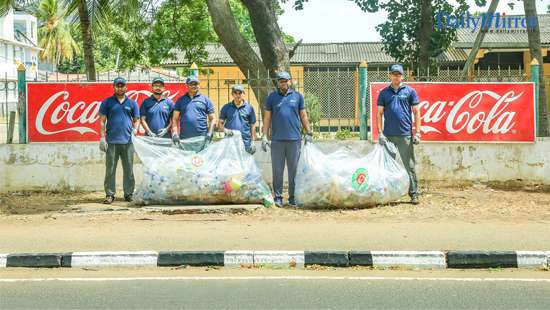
x=470, y=112
x=63, y=112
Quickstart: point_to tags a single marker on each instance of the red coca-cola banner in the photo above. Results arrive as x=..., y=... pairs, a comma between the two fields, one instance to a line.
x=64, y=112
x=470, y=112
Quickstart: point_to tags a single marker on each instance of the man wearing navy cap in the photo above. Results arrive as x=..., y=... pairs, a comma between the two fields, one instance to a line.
x=239, y=115
x=397, y=103
x=193, y=111
x=285, y=111
x=119, y=118
x=156, y=111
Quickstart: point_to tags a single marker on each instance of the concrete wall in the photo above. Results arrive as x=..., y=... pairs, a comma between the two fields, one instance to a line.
x=80, y=166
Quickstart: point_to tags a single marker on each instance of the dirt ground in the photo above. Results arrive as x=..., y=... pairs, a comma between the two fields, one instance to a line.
x=467, y=217
x=467, y=202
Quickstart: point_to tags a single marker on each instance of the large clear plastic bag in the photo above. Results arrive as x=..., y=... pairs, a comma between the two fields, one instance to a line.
x=345, y=179
x=221, y=173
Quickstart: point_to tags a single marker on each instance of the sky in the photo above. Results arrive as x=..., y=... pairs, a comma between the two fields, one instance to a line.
x=343, y=21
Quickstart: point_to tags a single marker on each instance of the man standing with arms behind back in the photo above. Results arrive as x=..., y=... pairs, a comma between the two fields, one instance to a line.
x=397, y=103
x=119, y=119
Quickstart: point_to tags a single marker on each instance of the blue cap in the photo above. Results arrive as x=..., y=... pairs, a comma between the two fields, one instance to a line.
x=283, y=75
x=397, y=68
x=237, y=87
x=158, y=80
x=119, y=80
x=192, y=79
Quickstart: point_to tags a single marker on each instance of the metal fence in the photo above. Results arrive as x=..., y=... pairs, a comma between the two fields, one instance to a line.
x=8, y=104
x=335, y=90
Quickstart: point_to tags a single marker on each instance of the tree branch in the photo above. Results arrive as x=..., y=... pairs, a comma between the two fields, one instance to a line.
x=293, y=50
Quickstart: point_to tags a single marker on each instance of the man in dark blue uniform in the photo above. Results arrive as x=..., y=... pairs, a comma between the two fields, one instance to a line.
x=397, y=103
x=119, y=118
x=285, y=111
x=192, y=112
x=239, y=115
x=156, y=111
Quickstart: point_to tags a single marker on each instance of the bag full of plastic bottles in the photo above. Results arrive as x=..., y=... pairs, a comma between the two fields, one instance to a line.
x=343, y=179
x=196, y=172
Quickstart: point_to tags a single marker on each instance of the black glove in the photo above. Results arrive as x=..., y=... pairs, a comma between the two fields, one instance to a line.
x=251, y=150
x=382, y=139
x=176, y=138
x=228, y=132
x=265, y=144
x=416, y=138
x=308, y=138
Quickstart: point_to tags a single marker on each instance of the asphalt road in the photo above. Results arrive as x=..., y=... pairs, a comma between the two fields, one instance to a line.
x=308, y=290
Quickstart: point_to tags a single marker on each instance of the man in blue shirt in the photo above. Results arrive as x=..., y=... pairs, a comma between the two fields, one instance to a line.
x=156, y=112
x=192, y=112
x=119, y=119
x=239, y=115
x=285, y=111
x=397, y=103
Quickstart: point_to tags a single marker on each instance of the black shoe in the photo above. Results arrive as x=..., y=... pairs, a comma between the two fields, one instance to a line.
x=414, y=200
x=129, y=198
x=292, y=203
x=109, y=200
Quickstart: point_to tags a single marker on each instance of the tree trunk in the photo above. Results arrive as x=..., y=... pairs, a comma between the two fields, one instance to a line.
x=275, y=56
x=86, y=30
x=238, y=48
x=425, y=37
x=479, y=39
x=535, y=50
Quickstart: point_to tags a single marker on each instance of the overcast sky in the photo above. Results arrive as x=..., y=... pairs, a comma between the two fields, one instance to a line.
x=343, y=21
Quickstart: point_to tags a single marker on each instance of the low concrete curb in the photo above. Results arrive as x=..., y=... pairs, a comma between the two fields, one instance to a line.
x=291, y=259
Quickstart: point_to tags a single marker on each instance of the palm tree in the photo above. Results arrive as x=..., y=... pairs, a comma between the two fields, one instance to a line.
x=88, y=10
x=55, y=33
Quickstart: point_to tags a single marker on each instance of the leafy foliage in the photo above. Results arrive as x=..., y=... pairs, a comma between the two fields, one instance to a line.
x=55, y=33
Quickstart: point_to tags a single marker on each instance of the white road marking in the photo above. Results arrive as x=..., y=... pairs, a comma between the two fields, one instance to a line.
x=308, y=278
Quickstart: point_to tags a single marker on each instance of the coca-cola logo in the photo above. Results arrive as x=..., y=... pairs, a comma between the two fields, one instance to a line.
x=80, y=115
x=469, y=112
x=465, y=115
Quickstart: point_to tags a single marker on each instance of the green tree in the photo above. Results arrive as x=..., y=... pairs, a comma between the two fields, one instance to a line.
x=54, y=32
x=185, y=25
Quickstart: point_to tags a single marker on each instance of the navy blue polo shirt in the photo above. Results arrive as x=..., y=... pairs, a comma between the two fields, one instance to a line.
x=157, y=112
x=398, y=109
x=119, y=119
x=285, y=110
x=194, y=115
x=239, y=118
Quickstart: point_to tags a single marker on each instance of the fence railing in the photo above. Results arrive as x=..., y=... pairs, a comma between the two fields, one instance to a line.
x=332, y=93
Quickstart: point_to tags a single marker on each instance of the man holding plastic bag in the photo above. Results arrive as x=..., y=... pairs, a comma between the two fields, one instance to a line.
x=397, y=103
x=284, y=112
x=239, y=115
x=193, y=111
x=156, y=110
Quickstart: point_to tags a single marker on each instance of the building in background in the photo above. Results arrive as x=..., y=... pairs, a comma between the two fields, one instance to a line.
x=18, y=45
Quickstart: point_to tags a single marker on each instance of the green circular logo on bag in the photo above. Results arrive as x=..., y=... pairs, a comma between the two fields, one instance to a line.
x=360, y=180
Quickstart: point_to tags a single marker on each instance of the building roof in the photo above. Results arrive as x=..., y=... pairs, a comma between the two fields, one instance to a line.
x=351, y=53
x=504, y=38
x=138, y=74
